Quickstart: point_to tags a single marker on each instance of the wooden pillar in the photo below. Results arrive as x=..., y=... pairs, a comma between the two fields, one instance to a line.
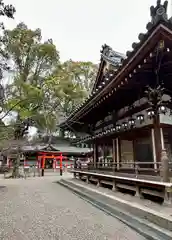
x=61, y=166
x=95, y=155
x=43, y=162
x=162, y=138
x=103, y=155
x=38, y=161
x=117, y=153
x=157, y=135
x=113, y=154
x=55, y=163
x=134, y=153
x=43, y=165
x=161, y=154
x=153, y=147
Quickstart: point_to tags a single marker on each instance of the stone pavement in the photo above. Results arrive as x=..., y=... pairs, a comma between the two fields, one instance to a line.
x=40, y=209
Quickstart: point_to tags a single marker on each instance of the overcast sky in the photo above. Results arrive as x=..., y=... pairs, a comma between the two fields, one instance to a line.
x=80, y=27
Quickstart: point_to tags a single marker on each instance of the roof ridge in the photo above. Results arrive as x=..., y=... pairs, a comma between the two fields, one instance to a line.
x=158, y=16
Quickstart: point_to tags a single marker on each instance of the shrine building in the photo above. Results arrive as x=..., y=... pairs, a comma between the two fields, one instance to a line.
x=128, y=116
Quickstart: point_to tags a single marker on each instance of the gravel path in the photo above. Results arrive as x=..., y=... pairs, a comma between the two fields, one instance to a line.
x=40, y=209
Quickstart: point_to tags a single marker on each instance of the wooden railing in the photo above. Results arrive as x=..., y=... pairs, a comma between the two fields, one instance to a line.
x=148, y=187
x=136, y=168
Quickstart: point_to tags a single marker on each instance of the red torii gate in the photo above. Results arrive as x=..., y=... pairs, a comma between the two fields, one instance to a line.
x=43, y=155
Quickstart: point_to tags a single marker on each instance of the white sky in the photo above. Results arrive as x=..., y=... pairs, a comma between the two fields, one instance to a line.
x=80, y=27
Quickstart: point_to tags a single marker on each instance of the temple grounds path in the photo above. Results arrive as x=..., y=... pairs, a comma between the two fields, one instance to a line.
x=40, y=209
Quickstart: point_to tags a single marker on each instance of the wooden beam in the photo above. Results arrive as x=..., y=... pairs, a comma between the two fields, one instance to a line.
x=153, y=147
x=95, y=155
x=117, y=153
x=162, y=138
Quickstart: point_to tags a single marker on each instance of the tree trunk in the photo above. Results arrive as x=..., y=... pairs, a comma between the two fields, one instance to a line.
x=16, y=165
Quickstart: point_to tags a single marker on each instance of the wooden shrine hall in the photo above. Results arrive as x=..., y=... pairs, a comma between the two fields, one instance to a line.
x=128, y=116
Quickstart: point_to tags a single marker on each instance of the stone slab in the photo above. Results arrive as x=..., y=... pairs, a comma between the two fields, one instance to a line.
x=157, y=214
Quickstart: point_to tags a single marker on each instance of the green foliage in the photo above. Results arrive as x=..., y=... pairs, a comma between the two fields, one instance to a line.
x=32, y=60
x=25, y=101
x=81, y=73
x=72, y=82
x=6, y=134
x=42, y=88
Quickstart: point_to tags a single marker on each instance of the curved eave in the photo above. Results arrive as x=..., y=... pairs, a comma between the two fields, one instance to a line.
x=110, y=61
x=162, y=29
x=102, y=62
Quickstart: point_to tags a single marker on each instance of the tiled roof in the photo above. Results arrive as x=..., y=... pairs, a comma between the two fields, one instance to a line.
x=158, y=17
x=55, y=147
x=72, y=149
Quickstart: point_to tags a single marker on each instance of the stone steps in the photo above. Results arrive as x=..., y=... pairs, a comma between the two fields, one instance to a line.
x=150, y=225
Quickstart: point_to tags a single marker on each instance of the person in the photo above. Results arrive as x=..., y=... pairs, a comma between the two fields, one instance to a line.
x=79, y=163
x=75, y=163
x=34, y=170
x=26, y=171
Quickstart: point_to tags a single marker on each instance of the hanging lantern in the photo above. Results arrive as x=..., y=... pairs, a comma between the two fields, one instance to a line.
x=118, y=127
x=140, y=118
x=161, y=44
x=162, y=109
x=131, y=122
x=124, y=125
x=151, y=113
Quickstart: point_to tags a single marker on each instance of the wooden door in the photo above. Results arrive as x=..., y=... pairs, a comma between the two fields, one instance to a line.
x=143, y=153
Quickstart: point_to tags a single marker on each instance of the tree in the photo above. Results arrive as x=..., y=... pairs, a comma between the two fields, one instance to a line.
x=5, y=132
x=31, y=62
x=82, y=73
x=7, y=11
x=74, y=81
x=12, y=138
x=43, y=89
